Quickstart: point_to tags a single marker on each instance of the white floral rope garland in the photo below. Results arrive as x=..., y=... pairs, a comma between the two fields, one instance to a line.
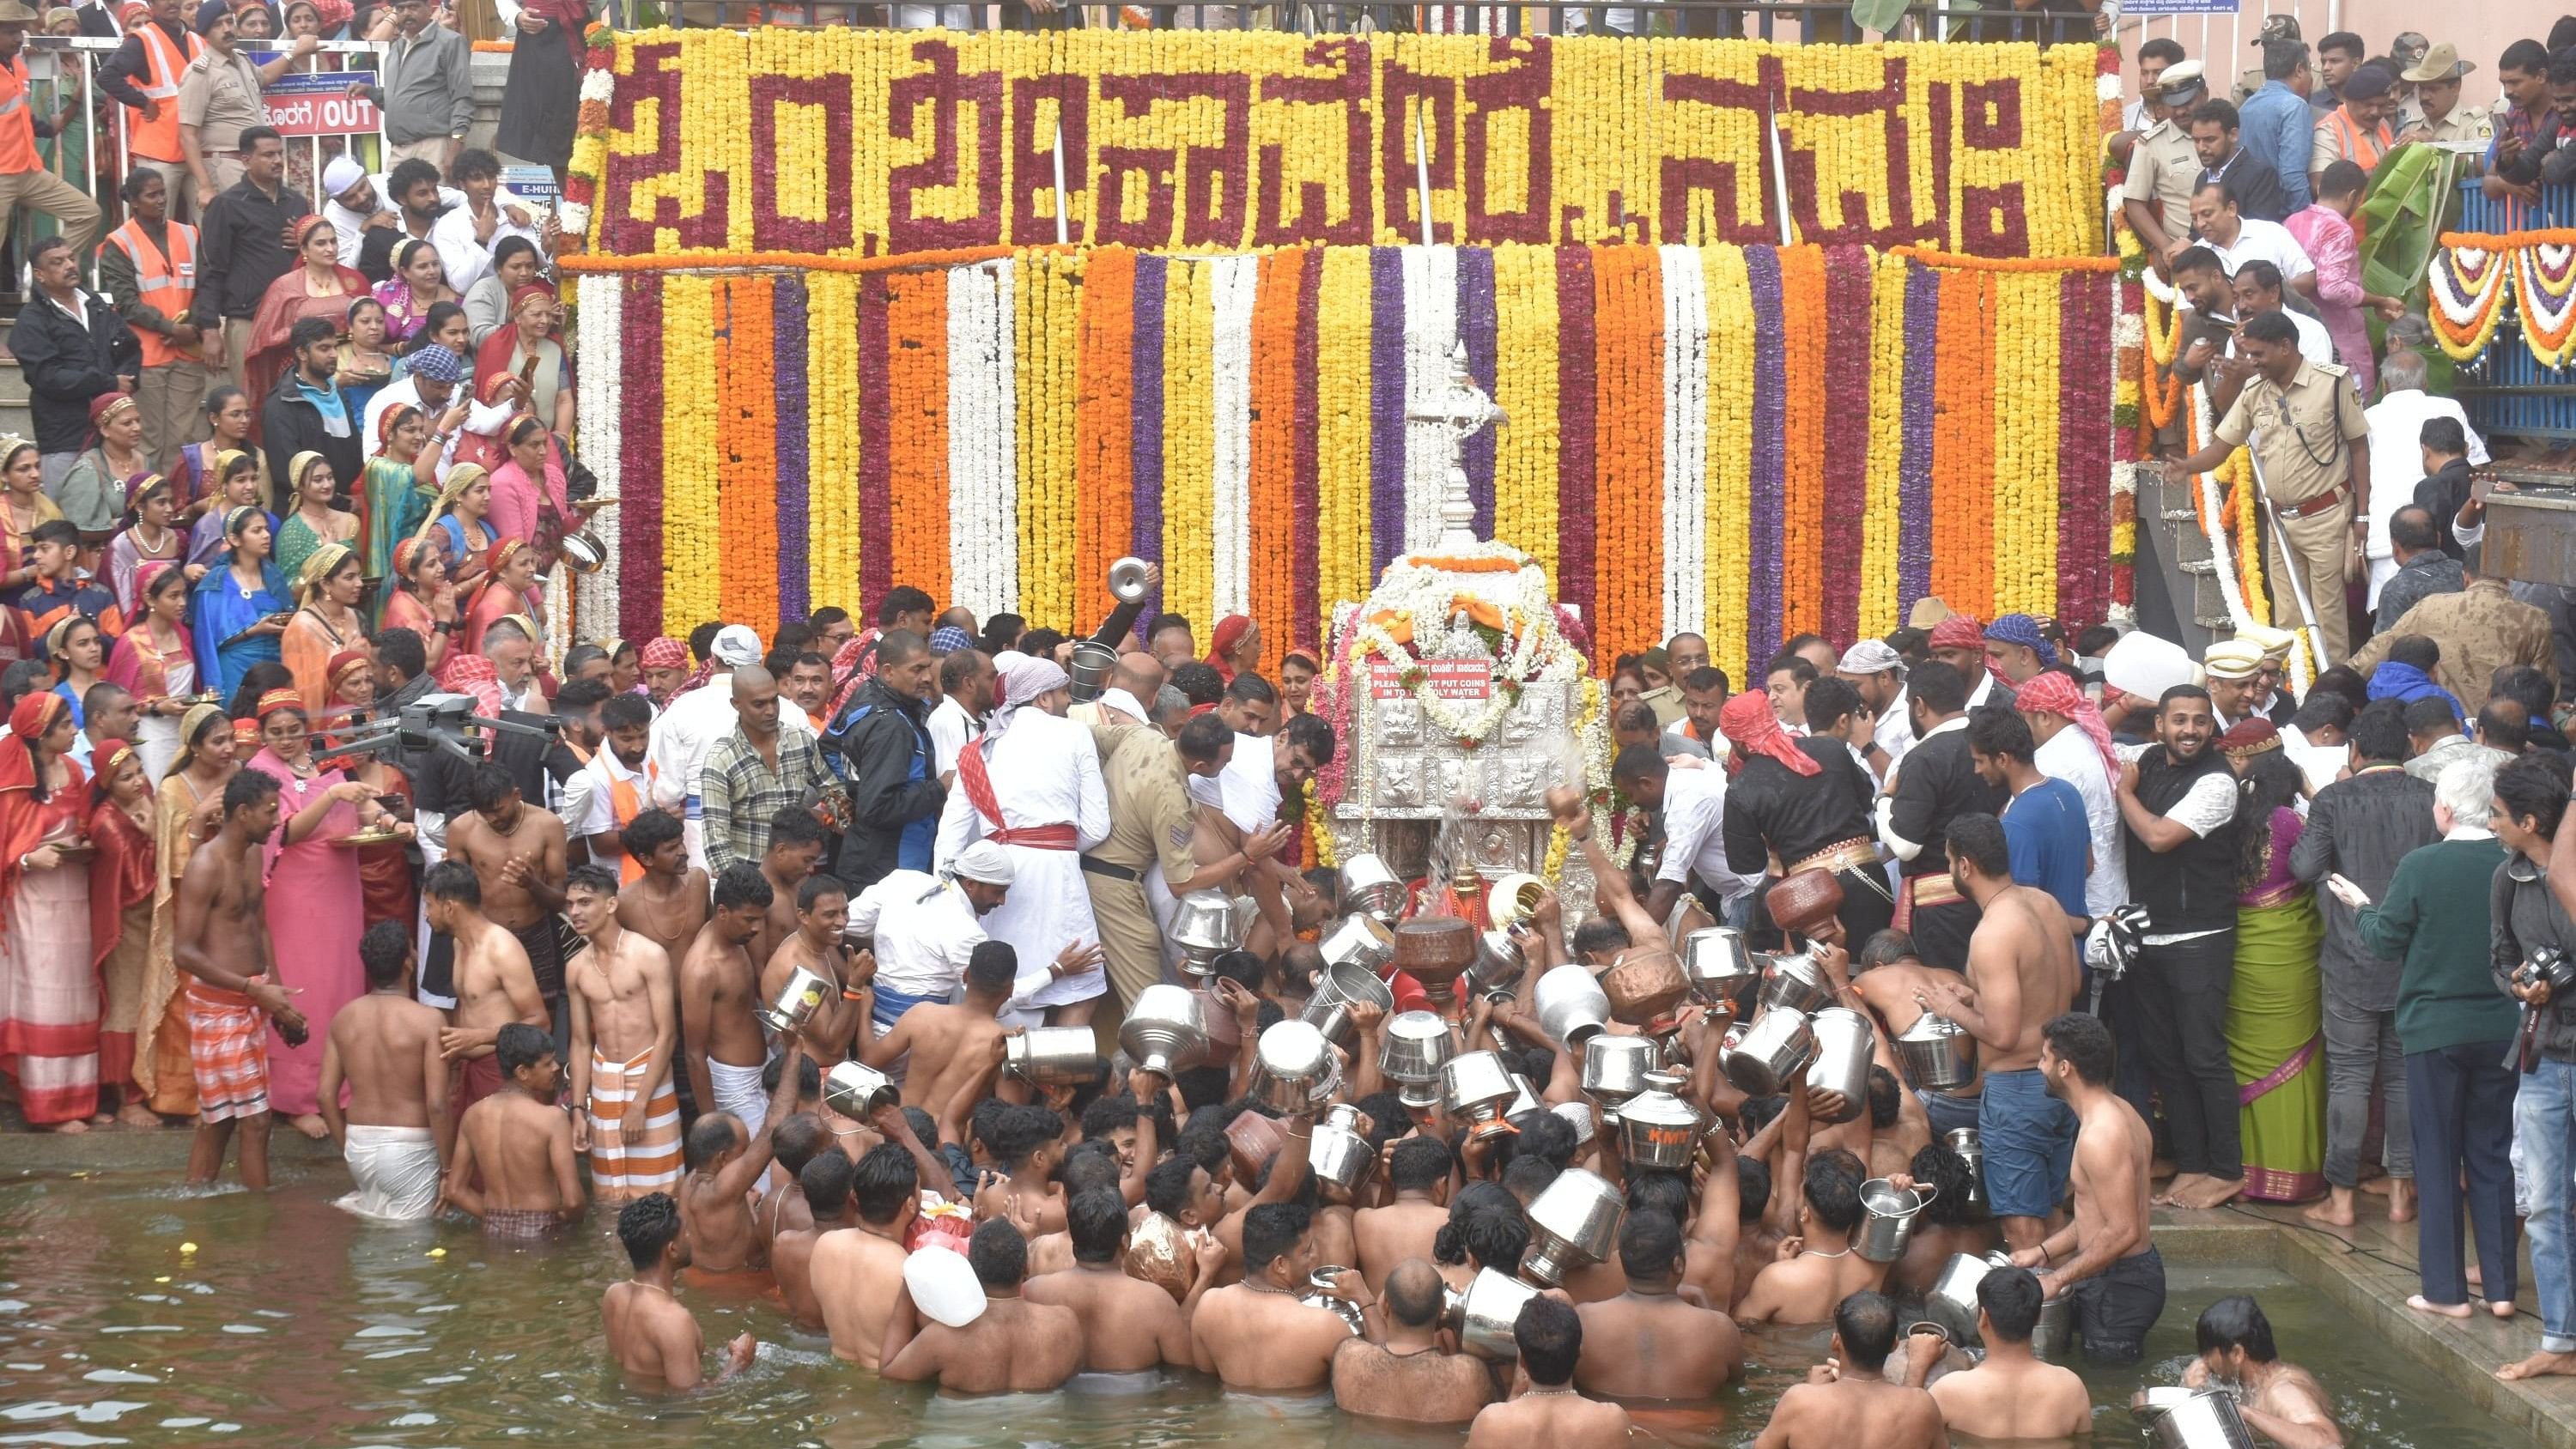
x=983, y=540
x=1685, y=440
x=599, y=328
x=1233, y=284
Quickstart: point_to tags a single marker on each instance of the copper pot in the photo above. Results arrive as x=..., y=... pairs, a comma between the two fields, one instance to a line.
x=1254, y=1139
x=1803, y=901
x=1645, y=985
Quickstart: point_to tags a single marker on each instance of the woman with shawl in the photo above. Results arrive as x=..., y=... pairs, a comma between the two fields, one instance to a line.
x=240, y=609
x=49, y=998
x=396, y=493
x=310, y=520
x=155, y=662
x=317, y=287
x=23, y=505
x=419, y=283
x=1235, y=646
x=326, y=621
x=315, y=903
x=529, y=339
x=509, y=589
x=236, y=485
x=93, y=493
x=120, y=917
x=460, y=522
x=150, y=535
x=186, y=812
x=2276, y=1003
x=422, y=600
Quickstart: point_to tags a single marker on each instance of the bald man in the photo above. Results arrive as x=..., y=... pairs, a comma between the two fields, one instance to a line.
x=754, y=772
x=1129, y=696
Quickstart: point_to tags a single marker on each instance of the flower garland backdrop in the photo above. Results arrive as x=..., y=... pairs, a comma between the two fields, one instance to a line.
x=1686, y=447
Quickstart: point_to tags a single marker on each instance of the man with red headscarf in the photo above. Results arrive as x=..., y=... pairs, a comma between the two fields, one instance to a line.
x=2075, y=746
x=1960, y=642
x=1806, y=802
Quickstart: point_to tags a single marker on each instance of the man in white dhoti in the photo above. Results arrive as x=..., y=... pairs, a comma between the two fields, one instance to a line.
x=1032, y=785
x=696, y=720
x=396, y=1132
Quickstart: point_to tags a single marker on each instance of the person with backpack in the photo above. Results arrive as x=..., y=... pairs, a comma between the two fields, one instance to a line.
x=879, y=743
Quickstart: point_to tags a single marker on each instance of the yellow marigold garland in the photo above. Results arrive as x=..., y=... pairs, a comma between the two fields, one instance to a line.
x=691, y=535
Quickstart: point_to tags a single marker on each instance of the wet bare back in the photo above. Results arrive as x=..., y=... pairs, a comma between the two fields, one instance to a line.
x=857, y=1277
x=1128, y=1325
x=387, y=1048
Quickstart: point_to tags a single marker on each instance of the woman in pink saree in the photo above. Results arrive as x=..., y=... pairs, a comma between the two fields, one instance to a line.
x=318, y=287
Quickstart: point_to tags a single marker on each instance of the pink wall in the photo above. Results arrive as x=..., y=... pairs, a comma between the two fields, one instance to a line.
x=2480, y=28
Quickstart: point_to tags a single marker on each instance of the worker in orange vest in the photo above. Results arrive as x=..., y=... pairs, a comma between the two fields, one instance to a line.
x=24, y=181
x=143, y=76
x=2356, y=131
x=148, y=271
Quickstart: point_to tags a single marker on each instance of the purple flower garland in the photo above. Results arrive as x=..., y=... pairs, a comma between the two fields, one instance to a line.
x=1914, y=466
x=787, y=362
x=1386, y=407
x=1145, y=425
x=1770, y=452
x=1476, y=325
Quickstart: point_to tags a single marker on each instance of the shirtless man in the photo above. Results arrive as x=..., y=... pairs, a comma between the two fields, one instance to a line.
x=653, y=1337
x=796, y=842
x=2105, y=1258
x=518, y=855
x=669, y=905
x=719, y=1035
x=1257, y=1334
x=1015, y=1346
x=819, y=907
x=221, y=944
x=2010, y=1394
x=725, y=1164
x=625, y=1024
x=1648, y=1343
x=395, y=1134
x=1814, y=1269
x=950, y=1045
x=513, y=1166
x=2021, y=972
x=1847, y=1400
x=1891, y=981
x=1419, y=1169
x=1547, y=1413
x=1128, y=1325
x=2280, y=1401
x=494, y=986
x=824, y=1186
x=1409, y=1376
x=857, y=1271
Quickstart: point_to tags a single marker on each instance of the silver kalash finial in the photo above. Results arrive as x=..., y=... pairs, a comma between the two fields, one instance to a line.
x=1461, y=410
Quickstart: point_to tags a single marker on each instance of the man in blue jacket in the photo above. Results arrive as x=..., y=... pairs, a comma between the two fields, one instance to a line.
x=2276, y=123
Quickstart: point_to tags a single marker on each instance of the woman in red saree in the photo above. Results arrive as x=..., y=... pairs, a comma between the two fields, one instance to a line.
x=1235, y=646
x=509, y=589
x=49, y=1007
x=120, y=917
x=384, y=869
x=318, y=287
x=527, y=349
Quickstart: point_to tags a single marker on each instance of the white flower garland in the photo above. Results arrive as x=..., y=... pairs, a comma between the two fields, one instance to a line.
x=2443, y=284
x=1536, y=652
x=1233, y=282
x=982, y=556
x=600, y=390
x=1685, y=441
x=2128, y=334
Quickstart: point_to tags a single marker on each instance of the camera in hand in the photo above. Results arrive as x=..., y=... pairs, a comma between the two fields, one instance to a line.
x=2550, y=966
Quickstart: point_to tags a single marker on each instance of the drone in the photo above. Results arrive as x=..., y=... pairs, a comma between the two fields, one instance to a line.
x=434, y=722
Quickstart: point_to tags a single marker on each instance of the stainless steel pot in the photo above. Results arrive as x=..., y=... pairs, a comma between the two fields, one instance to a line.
x=1416, y=1045
x=1482, y=1317
x=1165, y=1031
x=1345, y=982
x=1615, y=1067
x=1053, y=1056
x=1293, y=1068
x=1092, y=662
x=1843, y=1041
x=855, y=1090
x=1952, y=1299
x=1887, y=1218
x=1772, y=1051
x=1360, y=940
x=1496, y=975
x=1717, y=964
x=1572, y=1007
x=1972, y=1150
x=1658, y=1129
x=1797, y=982
x=797, y=1001
x=2054, y=1334
x=1936, y=1054
x=1574, y=1222
x=1474, y=1087
x=1203, y=927
x=1370, y=888
x=1338, y=1153
x=2178, y=1418
x=1319, y=1294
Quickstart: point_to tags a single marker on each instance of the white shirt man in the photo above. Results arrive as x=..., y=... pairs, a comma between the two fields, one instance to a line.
x=950, y=727
x=689, y=728
x=925, y=931
x=1695, y=835
x=2314, y=343
x=2266, y=241
x=2397, y=460
x=2207, y=805
x=604, y=774
x=464, y=256
x=1247, y=790
x=2071, y=755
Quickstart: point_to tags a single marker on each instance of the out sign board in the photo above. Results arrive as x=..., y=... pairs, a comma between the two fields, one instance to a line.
x=319, y=105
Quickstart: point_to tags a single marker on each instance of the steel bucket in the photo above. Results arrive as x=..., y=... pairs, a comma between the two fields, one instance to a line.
x=1513, y=899
x=1773, y=1049
x=1328, y=1010
x=1370, y=889
x=2178, y=1418
x=1499, y=964
x=1338, y=1153
x=1360, y=940
x=1293, y=1068
x=1474, y=1086
x=1165, y=1031
x=1482, y=1317
x=1416, y=1045
x=1972, y=1150
x=1615, y=1067
x=1936, y=1054
x=1572, y=1007
x=2054, y=1334
x=1574, y=1222
x=1320, y=1295
x=1843, y=1041
x=1887, y=1218
x=1092, y=661
x=1952, y=1299
x=855, y=1091
x=1658, y=1129
x=1203, y=927
x=1717, y=964
x=797, y=1001
x=1053, y=1056
x=1797, y=982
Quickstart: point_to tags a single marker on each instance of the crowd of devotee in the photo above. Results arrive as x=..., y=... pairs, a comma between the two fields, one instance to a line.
x=845, y=949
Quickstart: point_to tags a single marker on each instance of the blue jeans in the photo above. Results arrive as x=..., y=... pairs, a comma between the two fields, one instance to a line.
x=2544, y=1122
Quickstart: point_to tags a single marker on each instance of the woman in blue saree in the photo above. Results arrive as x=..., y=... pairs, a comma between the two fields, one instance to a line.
x=240, y=608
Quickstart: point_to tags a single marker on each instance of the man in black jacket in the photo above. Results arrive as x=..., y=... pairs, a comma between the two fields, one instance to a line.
x=241, y=247
x=307, y=412
x=1939, y=783
x=72, y=347
x=895, y=795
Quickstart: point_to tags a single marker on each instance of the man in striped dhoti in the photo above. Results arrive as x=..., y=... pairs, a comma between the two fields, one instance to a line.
x=624, y=1026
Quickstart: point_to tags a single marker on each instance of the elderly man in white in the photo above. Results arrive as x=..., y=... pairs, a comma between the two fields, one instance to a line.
x=2396, y=451
x=687, y=731
x=923, y=931
x=1031, y=784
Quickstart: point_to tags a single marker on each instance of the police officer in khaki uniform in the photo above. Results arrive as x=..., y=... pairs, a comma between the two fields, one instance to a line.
x=2307, y=428
x=2163, y=167
x=2436, y=79
x=1151, y=821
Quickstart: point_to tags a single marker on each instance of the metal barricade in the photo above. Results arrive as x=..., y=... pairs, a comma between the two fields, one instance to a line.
x=1796, y=21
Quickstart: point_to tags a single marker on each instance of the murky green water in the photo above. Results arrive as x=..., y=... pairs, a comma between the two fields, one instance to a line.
x=294, y=1323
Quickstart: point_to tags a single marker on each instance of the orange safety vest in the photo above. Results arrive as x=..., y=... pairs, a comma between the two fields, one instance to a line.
x=158, y=139
x=2362, y=148
x=625, y=803
x=17, y=123
x=167, y=283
